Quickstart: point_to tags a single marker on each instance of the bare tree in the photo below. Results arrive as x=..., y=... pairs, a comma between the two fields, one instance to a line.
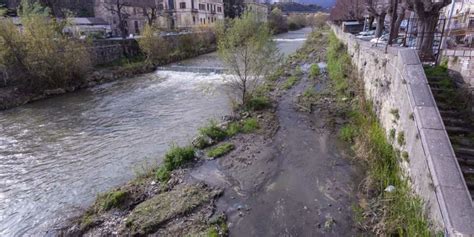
x=118, y=7
x=347, y=10
x=427, y=12
x=378, y=9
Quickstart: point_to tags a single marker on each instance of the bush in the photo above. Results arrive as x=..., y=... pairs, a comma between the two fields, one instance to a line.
x=40, y=56
x=220, y=150
x=348, y=133
x=257, y=103
x=178, y=156
x=163, y=174
x=290, y=82
x=233, y=129
x=213, y=131
x=250, y=125
x=111, y=200
x=155, y=48
x=314, y=71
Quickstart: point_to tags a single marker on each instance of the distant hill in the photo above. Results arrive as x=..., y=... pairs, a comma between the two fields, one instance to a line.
x=323, y=3
x=298, y=7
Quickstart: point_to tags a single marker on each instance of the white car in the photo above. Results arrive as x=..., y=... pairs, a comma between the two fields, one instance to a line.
x=381, y=40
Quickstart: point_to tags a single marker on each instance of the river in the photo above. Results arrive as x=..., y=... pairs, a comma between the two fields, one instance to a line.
x=58, y=154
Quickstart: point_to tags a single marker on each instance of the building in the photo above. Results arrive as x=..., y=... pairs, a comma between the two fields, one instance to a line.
x=259, y=9
x=461, y=24
x=167, y=14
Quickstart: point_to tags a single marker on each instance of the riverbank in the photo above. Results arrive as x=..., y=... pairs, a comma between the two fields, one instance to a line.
x=14, y=96
x=274, y=160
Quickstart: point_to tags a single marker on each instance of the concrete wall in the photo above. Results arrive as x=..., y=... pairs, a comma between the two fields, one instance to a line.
x=396, y=81
x=463, y=63
x=107, y=51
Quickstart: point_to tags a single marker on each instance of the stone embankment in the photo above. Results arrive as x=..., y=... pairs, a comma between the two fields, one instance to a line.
x=396, y=84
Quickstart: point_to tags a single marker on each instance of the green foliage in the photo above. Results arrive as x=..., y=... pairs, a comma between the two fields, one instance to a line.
x=213, y=131
x=290, y=82
x=177, y=157
x=250, y=125
x=405, y=156
x=277, y=22
x=153, y=45
x=298, y=71
x=296, y=21
x=347, y=133
x=111, y=200
x=40, y=56
x=163, y=174
x=233, y=129
x=221, y=150
x=401, y=138
x=338, y=66
x=257, y=103
x=314, y=71
x=248, y=52
x=392, y=134
x=277, y=74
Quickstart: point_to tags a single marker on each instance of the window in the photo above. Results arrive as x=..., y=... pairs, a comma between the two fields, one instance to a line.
x=160, y=7
x=182, y=5
x=219, y=9
x=208, y=7
x=194, y=20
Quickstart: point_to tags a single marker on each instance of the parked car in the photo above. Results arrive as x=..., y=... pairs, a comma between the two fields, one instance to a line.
x=381, y=40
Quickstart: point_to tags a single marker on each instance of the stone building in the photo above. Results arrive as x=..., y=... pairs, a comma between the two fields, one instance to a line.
x=461, y=27
x=170, y=14
x=259, y=9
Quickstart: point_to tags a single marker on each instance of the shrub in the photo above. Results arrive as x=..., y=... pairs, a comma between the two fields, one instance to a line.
x=257, y=103
x=314, y=71
x=163, y=174
x=233, y=129
x=250, y=125
x=155, y=48
x=401, y=138
x=213, y=131
x=290, y=82
x=220, y=150
x=348, y=133
x=40, y=56
x=178, y=156
x=111, y=200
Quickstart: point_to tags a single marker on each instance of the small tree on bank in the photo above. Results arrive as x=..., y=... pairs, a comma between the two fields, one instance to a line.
x=153, y=45
x=248, y=52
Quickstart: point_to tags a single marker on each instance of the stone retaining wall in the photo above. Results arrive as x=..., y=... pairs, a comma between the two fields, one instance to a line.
x=396, y=84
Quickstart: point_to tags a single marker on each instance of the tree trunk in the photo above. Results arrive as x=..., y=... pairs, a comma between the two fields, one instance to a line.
x=426, y=29
x=380, y=25
x=371, y=22
x=400, y=18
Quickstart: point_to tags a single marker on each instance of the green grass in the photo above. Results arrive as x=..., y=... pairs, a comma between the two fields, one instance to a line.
x=233, y=129
x=221, y=150
x=401, y=138
x=392, y=134
x=314, y=71
x=175, y=158
x=398, y=213
x=257, y=103
x=347, y=133
x=213, y=131
x=290, y=82
x=250, y=125
x=111, y=200
x=178, y=156
x=338, y=66
x=278, y=73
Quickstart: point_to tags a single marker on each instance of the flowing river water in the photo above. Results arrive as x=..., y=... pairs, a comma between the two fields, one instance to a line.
x=58, y=154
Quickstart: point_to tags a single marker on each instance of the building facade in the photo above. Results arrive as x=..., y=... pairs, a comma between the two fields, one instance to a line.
x=461, y=26
x=170, y=14
x=259, y=9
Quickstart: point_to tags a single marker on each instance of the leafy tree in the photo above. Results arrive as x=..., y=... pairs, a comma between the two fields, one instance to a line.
x=277, y=22
x=233, y=8
x=247, y=50
x=40, y=56
x=153, y=45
